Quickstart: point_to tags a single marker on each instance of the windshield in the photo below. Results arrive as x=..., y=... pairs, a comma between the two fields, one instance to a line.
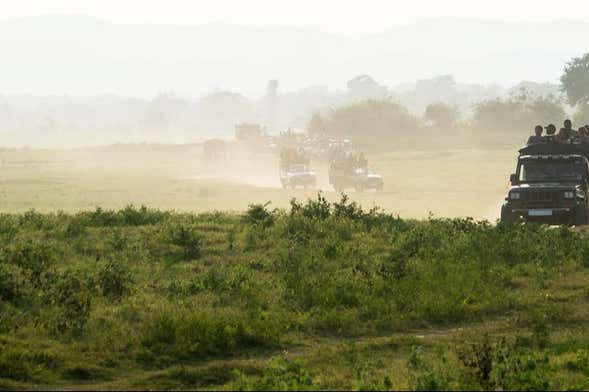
x=298, y=168
x=550, y=170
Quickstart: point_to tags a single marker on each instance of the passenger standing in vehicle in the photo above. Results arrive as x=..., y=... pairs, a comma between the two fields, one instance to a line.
x=362, y=162
x=537, y=138
x=567, y=133
x=550, y=133
x=584, y=134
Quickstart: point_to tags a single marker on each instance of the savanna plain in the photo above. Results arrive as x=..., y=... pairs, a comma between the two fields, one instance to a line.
x=143, y=266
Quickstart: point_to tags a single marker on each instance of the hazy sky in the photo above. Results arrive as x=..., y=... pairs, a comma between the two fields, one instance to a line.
x=335, y=16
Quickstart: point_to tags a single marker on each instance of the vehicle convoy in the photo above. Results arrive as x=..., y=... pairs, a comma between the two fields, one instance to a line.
x=295, y=169
x=345, y=173
x=550, y=184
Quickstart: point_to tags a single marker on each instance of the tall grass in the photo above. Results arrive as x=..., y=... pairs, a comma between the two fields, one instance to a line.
x=141, y=287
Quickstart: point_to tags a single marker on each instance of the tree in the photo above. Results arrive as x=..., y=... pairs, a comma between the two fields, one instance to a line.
x=581, y=117
x=517, y=112
x=370, y=118
x=441, y=115
x=316, y=126
x=365, y=87
x=162, y=111
x=221, y=110
x=575, y=80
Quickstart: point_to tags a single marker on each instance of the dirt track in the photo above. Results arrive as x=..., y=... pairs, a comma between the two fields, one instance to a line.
x=465, y=182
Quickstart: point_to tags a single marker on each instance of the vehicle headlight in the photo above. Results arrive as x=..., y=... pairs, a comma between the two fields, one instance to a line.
x=514, y=195
x=569, y=194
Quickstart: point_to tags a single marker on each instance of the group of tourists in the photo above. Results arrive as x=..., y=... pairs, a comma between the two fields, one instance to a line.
x=349, y=162
x=566, y=134
x=290, y=156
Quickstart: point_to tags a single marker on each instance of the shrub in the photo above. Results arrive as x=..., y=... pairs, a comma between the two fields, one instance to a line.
x=117, y=240
x=313, y=209
x=115, y=279
x=370, y=118
x=19, y=363
x=195, y=335
x=15, y=365
x=520, y=112
x=258, y=214
x=501, y=365
x=12, y=282
x=131, y=216
x=72, y=298
x=422, y=374
x=32, y=256
x=280, y=374
x=187, y=238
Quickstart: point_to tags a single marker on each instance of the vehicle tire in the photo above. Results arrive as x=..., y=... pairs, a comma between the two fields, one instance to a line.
x=506, y=214
x=581, y=215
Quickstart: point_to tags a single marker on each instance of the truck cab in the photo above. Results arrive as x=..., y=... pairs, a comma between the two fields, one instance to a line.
x=549, y=185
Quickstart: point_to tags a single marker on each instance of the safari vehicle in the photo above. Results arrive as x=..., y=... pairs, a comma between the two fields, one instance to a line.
x=298, y=174
x=359, y=179
x=549, y=185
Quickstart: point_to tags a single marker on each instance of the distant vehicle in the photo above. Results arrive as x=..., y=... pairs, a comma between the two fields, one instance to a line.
x=358, y=179
x=549, y=185
x=298, y=174
x=254, y=137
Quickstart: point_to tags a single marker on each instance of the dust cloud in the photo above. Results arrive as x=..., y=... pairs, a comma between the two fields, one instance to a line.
x=207, y=129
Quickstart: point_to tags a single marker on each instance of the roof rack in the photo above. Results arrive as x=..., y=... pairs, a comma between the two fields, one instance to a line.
x=554, y=148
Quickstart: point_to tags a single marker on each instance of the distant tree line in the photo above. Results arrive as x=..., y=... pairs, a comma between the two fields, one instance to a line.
x=381, y=118
x=516, y=113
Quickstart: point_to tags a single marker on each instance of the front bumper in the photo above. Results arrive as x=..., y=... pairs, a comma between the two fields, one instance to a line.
x=307, y=180
x=372, y=185
x=554, y=215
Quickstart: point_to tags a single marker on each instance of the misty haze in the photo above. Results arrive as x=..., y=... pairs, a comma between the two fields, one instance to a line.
x=260, y=205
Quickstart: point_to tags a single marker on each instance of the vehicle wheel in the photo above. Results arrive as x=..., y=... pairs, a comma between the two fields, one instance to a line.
x=506, y=214
x=581, y=215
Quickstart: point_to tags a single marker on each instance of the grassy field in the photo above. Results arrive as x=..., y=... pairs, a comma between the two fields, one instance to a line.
x=316, y=295
x=446, y=181
x=212, y=288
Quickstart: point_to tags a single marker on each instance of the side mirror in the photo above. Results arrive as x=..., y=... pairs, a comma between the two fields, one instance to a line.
x=513, y=178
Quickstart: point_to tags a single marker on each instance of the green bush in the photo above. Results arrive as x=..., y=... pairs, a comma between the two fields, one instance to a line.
x=187, y=238
x=319, y=270
x=258, y=214
x=200, y=334
x=280, y=374
x=71, y=296
x=12, y=282
x=22, y=364
x=501, y=365
x=34, y=257
x=115, y=280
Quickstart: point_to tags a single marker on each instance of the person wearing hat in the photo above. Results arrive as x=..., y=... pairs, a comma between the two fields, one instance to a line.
x=550, y=133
